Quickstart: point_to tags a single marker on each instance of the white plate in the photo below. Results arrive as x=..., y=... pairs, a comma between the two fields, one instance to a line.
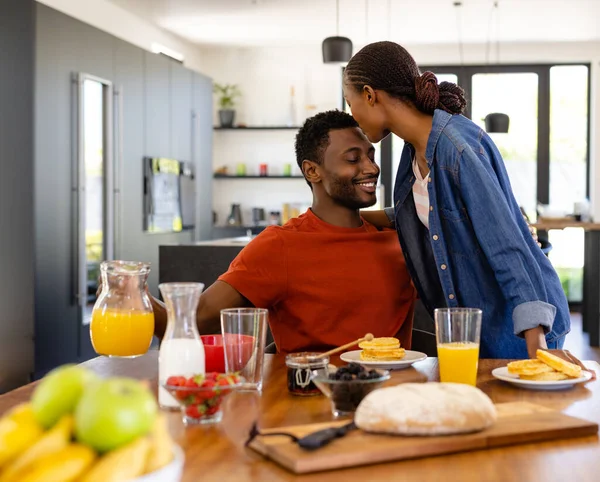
x=169, y=473
x=409, y=358
x=503, y=374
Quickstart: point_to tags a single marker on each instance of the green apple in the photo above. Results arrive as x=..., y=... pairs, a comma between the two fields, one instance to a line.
x=58, y=392
x=113, y=413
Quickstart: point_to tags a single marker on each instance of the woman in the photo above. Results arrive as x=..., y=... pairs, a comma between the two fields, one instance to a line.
x=461, y=230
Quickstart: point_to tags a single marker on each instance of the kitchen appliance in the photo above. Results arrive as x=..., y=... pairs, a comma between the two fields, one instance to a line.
x=258, y=216
x=235, y=217
x=169, y=195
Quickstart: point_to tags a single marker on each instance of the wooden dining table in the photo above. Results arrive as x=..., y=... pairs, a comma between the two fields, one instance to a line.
x=217, y=453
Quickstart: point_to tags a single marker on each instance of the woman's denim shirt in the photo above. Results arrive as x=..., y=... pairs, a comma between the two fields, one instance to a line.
x=478, y=251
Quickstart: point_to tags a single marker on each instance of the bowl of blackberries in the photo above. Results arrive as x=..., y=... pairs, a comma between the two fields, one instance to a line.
x=347, y=386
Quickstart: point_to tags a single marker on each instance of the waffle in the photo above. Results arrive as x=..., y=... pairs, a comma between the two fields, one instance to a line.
x=385, y=343
x=528, y=367
x=552, y=376
x=558, y=364
x=387, y=355
x=381, y=349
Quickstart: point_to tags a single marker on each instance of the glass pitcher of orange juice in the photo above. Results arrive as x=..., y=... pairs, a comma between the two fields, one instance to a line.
x=122, y=319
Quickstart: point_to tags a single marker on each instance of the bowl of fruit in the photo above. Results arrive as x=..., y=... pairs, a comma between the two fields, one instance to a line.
x=347, y=386
x=200, y=396
x=78, y=426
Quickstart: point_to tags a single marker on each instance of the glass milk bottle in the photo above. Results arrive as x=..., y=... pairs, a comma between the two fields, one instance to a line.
x=181, y=350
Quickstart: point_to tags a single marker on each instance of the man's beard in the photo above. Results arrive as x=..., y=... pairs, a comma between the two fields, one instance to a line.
x=343, y=192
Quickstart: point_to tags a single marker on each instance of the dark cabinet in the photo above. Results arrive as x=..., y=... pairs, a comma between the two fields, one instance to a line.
x=154, y=99
x=202, y=153
x=157, y=105
x=181, y=112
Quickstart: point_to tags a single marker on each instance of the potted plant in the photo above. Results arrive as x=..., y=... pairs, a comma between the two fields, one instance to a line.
x=227, y=93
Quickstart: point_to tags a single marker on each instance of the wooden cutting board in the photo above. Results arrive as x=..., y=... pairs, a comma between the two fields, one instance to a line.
x=518, y=423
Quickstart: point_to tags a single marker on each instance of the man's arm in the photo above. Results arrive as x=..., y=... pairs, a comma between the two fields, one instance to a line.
x=217, y=297
x=382, y=218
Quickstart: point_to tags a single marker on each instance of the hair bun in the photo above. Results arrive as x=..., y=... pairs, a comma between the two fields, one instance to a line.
x=452, y=98
x=427, y=93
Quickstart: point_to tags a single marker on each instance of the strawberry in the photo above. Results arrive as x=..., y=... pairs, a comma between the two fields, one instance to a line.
x=176, y=381
x=191, y=382
x=226, y=381
x=209, y=384
x=203, y=395
x=212, y=410
x=192, y=411
x=198, y=379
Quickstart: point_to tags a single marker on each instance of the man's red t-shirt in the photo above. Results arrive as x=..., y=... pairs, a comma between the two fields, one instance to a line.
x=325, y=285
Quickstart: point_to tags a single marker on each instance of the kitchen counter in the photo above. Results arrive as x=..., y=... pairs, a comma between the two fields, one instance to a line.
x=215, y=453
x=238, y=241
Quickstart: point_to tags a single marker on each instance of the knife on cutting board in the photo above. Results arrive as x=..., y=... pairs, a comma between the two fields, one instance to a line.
x=321, y=438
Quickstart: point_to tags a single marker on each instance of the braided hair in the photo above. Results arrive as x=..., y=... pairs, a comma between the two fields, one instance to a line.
x=389, y=67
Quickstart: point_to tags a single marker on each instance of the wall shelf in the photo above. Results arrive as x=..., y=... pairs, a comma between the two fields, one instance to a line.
x=257, y=128
x=222, y=176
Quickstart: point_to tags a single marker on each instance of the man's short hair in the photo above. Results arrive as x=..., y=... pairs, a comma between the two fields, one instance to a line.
x=313, y=137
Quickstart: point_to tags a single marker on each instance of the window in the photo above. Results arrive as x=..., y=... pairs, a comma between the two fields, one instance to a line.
x=515, y=94
x=568, y=169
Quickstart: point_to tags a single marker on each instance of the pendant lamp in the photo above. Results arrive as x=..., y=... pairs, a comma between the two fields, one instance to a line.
x=497, y=122
x=337, y=49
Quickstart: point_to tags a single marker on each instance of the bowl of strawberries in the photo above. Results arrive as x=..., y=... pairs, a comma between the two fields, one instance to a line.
x=201, y=396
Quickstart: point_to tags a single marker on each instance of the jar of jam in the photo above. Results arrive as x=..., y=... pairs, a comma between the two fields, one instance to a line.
x=299, y=369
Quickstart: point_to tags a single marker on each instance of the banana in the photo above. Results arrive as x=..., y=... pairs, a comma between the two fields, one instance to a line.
x=18, y=430
x=66, y=465
x=161, y=445
x=23, y=411
x=52, y=441
x=122, y=464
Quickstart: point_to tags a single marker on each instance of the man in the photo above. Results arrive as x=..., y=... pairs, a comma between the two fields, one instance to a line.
x=328, y=276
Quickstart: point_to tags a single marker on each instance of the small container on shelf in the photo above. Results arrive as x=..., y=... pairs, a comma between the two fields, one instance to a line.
x=263, y=170
x=287, y=169
x=241, y=169
x=274, y=218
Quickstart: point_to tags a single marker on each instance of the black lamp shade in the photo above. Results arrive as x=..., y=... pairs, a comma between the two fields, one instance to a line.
x=496, y=122
x=337, y=50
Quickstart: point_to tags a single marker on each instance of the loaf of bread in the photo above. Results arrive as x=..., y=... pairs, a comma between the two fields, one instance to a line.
x=425, y=409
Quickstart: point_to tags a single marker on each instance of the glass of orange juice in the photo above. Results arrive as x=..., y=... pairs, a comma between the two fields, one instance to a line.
x=457, y=332
x=122, y=319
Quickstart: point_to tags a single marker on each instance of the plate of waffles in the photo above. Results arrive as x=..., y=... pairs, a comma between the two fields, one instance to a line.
x=384, y=353
x=546, y=372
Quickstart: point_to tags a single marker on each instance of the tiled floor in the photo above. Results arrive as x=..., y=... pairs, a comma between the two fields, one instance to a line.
x=578, y=343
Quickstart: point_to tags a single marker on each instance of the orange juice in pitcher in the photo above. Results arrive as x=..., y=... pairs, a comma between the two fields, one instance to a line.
x=122, y=319
x=121, y=333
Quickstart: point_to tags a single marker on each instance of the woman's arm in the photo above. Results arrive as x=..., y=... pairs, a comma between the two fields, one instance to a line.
x=380, y=218
x=506, y=249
